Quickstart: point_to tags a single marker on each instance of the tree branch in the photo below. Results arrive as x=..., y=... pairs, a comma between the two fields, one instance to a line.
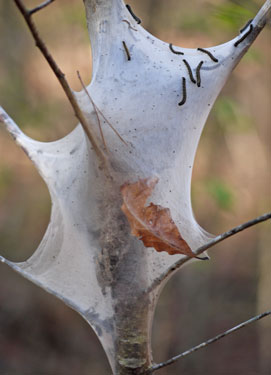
x=59, y=74
x=96, y=109
x=206, y=343
x=208, y=245
x=263, y=16
x=41, y=6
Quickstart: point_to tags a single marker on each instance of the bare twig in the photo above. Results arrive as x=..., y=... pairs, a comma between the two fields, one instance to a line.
x=206, y=343
x=61, y=78
x=126, y=51
x=101, y=113
x=41, y=6
x=208, y=245
x=94, y=106
x=258, y=23
x=111, y=126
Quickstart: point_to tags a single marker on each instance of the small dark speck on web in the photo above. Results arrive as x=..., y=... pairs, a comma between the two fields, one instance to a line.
x=73, y=151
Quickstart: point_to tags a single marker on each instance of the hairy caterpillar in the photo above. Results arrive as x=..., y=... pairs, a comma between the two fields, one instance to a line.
x=198, y=73
x=246, y=25
x=244, y=36
x=189, y=71
x=208, y=53
x=173, y=51
x=184, y=92
x=137, y=19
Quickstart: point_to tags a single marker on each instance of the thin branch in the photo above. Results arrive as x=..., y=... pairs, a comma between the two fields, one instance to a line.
x=206, y=343
x=41, y=6
x=101, y=113
x=208, y=245
x=234, y=231
x=94, y=106
x=11, y=126
x=111, y=126
x=126, y=50
x=61, y=78
x=260, y=20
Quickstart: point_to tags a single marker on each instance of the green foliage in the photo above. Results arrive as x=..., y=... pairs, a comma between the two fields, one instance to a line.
x=193, y=22
x=232, y=14
x=75, y=15
x=6, y=178
x=221, y=193
x=230, y=117
x=253, y=55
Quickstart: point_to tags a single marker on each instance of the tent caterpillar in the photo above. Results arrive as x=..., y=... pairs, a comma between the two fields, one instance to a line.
x=244, y=36
x=189, y=71
x=208, y=53
x=184, y=92
x=173, y=51
x=126, y=50
x=137, y=19
x=246, y=25
x=198, y=74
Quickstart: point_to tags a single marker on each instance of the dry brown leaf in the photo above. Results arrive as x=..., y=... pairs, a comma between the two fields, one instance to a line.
x=152, y=224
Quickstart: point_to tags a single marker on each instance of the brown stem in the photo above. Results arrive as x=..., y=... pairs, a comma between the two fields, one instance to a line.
x=208, y=245
x=94, y=106
x=61, y=78
x=41, y=6
x=101, y=113
x=205, y=343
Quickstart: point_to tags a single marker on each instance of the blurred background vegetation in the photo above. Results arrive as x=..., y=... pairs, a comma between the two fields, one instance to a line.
x=231, y=184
